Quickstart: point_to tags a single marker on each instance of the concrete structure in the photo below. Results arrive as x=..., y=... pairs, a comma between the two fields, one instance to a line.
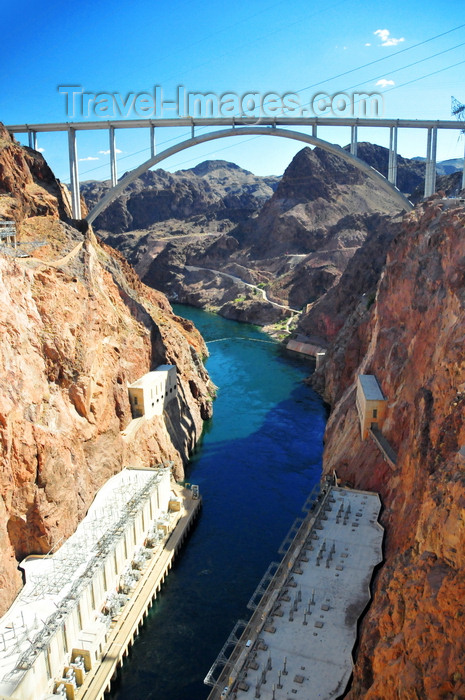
x=298, y=642
x=384, y=447
x=8, y=233
x=265, y=125
x=371, y=403
x=62, y=626
x=307, y=346
x=320, y=357
x=151, y=393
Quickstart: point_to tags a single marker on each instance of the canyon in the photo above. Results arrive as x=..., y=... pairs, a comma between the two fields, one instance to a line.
x=383, y=290
x=395, y=308
x=249, y=247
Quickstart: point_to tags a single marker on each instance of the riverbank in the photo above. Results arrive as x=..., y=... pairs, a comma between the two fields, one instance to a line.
x=259, y=457
x=127, y=626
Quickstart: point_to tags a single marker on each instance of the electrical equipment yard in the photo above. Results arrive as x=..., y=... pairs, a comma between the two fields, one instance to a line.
x=81, y=608
x=299, y=640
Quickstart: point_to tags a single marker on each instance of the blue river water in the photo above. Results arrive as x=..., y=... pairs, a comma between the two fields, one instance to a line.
x=259, y=457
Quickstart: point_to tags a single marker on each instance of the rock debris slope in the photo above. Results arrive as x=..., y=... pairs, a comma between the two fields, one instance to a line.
x=76, y=326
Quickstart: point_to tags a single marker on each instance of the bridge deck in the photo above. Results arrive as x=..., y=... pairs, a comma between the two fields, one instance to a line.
x=237, y=121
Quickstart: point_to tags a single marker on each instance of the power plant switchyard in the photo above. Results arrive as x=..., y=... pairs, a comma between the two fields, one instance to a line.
x=56, y=637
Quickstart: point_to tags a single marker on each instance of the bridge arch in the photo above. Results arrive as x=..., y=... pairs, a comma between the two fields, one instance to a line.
x=403, y=202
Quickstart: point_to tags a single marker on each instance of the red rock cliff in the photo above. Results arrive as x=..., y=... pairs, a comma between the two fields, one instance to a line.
x=412, y=643
x=76, y=326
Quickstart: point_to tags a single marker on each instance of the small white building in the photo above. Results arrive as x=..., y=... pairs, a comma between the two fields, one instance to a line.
x=371, y=403
x=151, y=393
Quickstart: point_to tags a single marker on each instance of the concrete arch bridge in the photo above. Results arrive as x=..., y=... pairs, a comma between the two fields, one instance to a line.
x=245, y=126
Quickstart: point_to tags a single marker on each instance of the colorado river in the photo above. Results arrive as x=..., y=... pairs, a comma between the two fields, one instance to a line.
x=259, y=458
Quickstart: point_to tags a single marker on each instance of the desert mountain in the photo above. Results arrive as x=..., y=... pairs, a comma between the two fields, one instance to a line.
x=289, y=254
x=411, y=171
x=280, y=256
x=444, y=167
x=215, y=195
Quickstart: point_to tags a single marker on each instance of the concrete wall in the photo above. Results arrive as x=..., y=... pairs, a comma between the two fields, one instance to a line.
x=136, y=399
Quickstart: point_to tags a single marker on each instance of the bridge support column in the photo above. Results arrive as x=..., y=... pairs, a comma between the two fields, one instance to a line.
x=430, y=174
x=74, y=173
x=32, y=136
x=463, y=172
x=353, y=140
x=392, y=167
x=153, y=143
x=114, y=173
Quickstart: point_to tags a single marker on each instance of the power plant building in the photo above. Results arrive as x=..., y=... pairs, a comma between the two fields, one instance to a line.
x=371, y=403
x=57, y=627
x=150, y=394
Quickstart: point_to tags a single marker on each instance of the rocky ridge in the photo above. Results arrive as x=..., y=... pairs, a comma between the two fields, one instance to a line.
x=412, y=338
x=295, y=248
x=291, y=250
x=77, y=325
x=213, y=196
x=410, y=171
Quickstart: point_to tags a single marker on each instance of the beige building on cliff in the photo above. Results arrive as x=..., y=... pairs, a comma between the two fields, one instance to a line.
x=151, y=393
x=371, y=403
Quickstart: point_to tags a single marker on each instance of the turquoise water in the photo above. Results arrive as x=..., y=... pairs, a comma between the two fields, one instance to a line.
x=259, y=458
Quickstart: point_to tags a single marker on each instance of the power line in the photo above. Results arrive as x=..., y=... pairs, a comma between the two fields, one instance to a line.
x=409, y=65
x=441, y=70
x=281, y=27
x=384, y=58
x=353, y=70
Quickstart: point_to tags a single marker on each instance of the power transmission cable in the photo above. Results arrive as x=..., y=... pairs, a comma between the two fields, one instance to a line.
x=384, y=58
x=422, y=77
x=353, y=70
x=393, y=88
x=281, y=27
x=409, y=65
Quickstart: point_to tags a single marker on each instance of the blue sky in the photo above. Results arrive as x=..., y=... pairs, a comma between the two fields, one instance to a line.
x=288, y=46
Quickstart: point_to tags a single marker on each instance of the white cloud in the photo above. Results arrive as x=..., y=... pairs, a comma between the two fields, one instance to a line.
x=368, y=44
x=41, y=150
x=106, y=153
x=89, y=158
x=384, y=83
x=386, y=38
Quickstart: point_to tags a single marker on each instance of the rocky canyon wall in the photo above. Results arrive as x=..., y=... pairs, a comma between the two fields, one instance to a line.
x=76, y=327
x=413, y=339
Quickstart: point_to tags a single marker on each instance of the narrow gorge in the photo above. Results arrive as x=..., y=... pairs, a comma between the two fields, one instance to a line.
x=382, y=291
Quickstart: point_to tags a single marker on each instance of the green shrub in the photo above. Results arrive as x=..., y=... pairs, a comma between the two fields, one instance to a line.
x=371, y=300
